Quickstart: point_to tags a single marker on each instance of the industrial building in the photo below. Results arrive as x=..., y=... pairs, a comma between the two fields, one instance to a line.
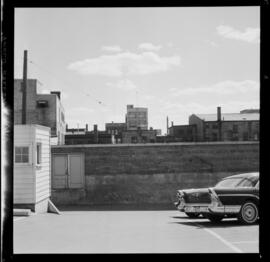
x=181, y=133
x=89, y=137
x=243, y=126
x=41, y=109
x=136, y=118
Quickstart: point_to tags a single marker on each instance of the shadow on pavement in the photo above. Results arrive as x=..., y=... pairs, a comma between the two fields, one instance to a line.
x=208, y=224
x=122, y=207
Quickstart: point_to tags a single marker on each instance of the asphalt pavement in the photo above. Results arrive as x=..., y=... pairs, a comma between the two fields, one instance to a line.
x=155, y=231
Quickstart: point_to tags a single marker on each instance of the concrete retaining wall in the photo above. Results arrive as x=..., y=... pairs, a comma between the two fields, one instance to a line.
x=151, y=173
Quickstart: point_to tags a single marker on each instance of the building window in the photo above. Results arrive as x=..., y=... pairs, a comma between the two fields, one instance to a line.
x=38, y=152
x=21, y=154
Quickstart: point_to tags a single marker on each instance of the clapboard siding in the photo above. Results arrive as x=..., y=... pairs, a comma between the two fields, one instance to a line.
x=32, y=182
x=24, y=180
x=43, y=174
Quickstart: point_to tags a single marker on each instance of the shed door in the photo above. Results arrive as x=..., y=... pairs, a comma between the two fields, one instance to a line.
x=76, y=171
x=60, y=171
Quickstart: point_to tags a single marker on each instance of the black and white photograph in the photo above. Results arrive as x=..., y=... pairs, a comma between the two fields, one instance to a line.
x=136, y=130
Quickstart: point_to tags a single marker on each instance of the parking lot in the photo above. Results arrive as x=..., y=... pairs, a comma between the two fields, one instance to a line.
x=156, y=231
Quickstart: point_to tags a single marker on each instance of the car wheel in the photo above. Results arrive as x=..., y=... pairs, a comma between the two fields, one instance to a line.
x=249, y=213
x=214, y=218
x=192, y=215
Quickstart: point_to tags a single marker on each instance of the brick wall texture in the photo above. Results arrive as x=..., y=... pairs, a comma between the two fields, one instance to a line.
x=138, y=174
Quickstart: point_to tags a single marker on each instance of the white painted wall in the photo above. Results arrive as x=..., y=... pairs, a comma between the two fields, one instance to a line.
x=42, y=135
x=31, y=181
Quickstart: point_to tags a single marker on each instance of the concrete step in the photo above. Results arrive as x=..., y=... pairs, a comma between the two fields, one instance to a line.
x=21, y=212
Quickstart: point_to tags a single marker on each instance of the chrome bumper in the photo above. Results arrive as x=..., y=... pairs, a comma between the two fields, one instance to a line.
x=225, y=209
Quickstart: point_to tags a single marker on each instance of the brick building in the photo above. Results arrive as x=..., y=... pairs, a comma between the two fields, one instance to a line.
x=116, y=130
x=139, y=136
x=136, y=118
x=182, y=133
x=41, y=109
x=243, y=126
x=89, y=137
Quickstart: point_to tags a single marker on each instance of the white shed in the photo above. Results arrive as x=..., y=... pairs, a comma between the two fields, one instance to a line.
x=32, y=157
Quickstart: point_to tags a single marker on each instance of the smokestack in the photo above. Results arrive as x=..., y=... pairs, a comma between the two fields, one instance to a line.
x=219, y=123
x=167, y=125
x=24, y=88
x=95, y=134
x=219, y=113
x=86, y=127
x=172, y=123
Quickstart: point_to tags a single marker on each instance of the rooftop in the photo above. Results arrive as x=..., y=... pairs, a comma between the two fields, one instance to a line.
x=230, y=117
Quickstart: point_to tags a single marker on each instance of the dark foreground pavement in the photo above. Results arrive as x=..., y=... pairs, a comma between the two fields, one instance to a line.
x=155, y=231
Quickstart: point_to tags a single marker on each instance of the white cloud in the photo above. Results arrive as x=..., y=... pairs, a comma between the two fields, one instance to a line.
x=221, y=88
x=149, y=47
x=126, y=63
x=251, y=35
x=114, y=48
x=124, y=84
x=212, y=43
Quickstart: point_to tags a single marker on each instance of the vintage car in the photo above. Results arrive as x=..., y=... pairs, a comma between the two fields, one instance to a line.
x=234, y=196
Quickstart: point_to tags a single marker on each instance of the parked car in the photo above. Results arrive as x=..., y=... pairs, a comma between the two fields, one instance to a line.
x=234, y=196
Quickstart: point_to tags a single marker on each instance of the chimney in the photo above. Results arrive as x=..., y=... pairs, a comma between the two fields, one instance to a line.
x=219, y=113
x=58, y=93
x=172, y=123
x=86, y=127
x=95, y=134
x=66, y=127
x=219, y=123
x=167, y=125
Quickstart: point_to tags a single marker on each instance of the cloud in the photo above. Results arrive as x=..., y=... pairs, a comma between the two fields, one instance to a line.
x=114, y=48
x=126, y=63
x=149, y=47
x=251, y=35
x=212, y=43
x=124, y=84
x=221, y=88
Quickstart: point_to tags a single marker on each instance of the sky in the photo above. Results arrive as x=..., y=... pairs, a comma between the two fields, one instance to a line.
x=176, y=61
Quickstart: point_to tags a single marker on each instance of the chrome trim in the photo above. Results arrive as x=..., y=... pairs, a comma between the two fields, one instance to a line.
x=225, y=209
x=202, y=209
x=239, y=195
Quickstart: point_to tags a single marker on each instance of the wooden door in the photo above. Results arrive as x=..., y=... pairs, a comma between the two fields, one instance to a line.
x=59, y=171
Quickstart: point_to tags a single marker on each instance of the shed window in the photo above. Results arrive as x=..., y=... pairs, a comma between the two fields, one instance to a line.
x=21, y=154
x=38, y=153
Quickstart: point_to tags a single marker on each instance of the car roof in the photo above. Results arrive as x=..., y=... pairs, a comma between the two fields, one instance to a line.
x=244, y=175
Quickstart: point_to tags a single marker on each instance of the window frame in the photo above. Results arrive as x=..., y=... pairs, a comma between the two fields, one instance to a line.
x=29, y=155
x=38, y=154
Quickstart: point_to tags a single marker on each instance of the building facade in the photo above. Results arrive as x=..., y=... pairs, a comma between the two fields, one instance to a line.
x=139, y=136
x=89, y=137
x=116, y=130
x=41, y=109
x=243, y=126
x=136, y=118
x=182, y=133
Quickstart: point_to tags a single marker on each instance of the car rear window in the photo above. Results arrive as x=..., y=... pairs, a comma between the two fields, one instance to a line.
x=229, y=182
x=237, y=182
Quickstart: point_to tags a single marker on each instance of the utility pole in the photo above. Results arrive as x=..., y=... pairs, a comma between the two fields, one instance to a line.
x=24, y=88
